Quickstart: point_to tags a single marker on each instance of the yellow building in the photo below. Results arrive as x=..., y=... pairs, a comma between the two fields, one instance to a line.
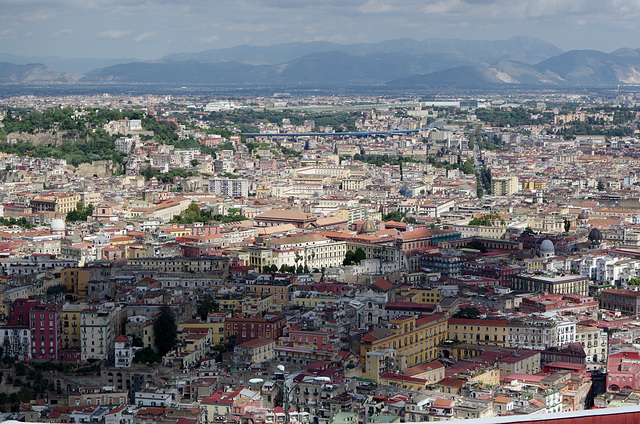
x=148, y=336
x=76, y=280
x=479, y=331
x=230, y=304
x=415, y=339
x=311, y=301
x=256, y=304
x=399, y=380
x=71, y=325
x=217, y=329
x=426, y=296
x=431, y=371
x=526, y=362
x=59, y=203
x=488, y=376
x=255, y=351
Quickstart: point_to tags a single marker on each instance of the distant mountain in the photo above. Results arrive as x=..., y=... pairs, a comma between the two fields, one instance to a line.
x=401, y=63
x=32, y=73
x=593, y=67
x=179, y=73
x=74, y=65
x=460, y=77
x=525, y=49
x=323, y=68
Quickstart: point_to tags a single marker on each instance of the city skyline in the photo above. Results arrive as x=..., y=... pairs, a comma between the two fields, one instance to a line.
x=155, y=28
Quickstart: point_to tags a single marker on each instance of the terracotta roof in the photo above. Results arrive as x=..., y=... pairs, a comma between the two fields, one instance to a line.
x=383, y=284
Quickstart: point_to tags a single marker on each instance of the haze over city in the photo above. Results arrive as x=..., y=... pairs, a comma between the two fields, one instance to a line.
x=154, y=28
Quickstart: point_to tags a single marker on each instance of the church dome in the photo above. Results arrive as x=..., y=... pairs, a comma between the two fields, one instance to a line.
x=583, y=215
x=547, y=249
x=57, y=225
x=595, y=236
x=547, y=246
x=368, y=227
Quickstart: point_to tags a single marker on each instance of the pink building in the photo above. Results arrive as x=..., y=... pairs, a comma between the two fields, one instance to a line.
x=322, y=340
x=46, y=332
x=624, y=371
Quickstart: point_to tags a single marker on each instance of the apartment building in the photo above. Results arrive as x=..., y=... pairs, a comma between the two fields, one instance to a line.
x=625, y=301
x=229, y=187
x=97, y=333
x=415, y=339
x=479, y=331
x=45, y=322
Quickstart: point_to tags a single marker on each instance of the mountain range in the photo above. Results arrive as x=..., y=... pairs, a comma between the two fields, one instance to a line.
x=402, y=63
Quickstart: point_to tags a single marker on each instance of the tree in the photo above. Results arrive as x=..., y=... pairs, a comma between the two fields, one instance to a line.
x=634, y=282
x=359, y=255
x=528, y=232
x=601, y=186
x=165, y=330
x=205, y=305
x=469, y=312
x=567, y=225
x=146, y=355
x=195, y=162
x=80, y=214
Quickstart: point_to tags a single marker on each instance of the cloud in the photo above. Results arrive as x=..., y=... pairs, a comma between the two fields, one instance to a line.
x=209, y=40
x=8, y=34
x=144, y=36
x=113, y=34
x=58, y=34
x=254, y=27
x=38, y=16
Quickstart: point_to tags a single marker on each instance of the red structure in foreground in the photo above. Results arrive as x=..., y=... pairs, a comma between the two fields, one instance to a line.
x=624, y=415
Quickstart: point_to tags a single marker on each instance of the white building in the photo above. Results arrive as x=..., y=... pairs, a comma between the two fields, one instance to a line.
x=96, y=330
x=123, y=352
x=123, y=126
x=229, y=187
x=16, y=342
x=125, y=144
x=594, y=341
x=541, y=334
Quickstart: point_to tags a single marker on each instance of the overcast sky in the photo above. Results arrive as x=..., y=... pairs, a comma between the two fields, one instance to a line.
x=150, y=29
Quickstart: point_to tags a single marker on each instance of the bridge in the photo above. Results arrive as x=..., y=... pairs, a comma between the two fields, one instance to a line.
x=348, y=133
x=340, y=134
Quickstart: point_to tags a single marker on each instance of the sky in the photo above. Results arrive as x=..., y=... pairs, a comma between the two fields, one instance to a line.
x=151, y=29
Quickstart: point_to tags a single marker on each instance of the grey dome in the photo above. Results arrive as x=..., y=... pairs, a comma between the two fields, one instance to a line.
x=547, y=247
x=595, y=236
x=583, y=215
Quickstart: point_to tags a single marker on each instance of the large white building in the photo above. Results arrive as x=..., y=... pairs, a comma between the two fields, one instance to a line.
x=123, y=126
x=229, y=187
x=125, y=144
x=541, y=334
x=97, y=333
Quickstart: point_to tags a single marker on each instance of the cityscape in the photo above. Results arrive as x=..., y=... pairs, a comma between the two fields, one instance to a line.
x=319, y=259
x=336, y=212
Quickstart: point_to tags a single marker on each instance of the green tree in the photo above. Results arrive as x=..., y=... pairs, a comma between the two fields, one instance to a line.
x=528, y=232
x=146, y=355
x=165, y=330
x=205, y=305
x=469, y=312
x=601, y=186
x=359, y=255
x=80, y=213
x=634, y=282
x=567, y=225
x=468, y=167
x=348, y=258
x=195, y=162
